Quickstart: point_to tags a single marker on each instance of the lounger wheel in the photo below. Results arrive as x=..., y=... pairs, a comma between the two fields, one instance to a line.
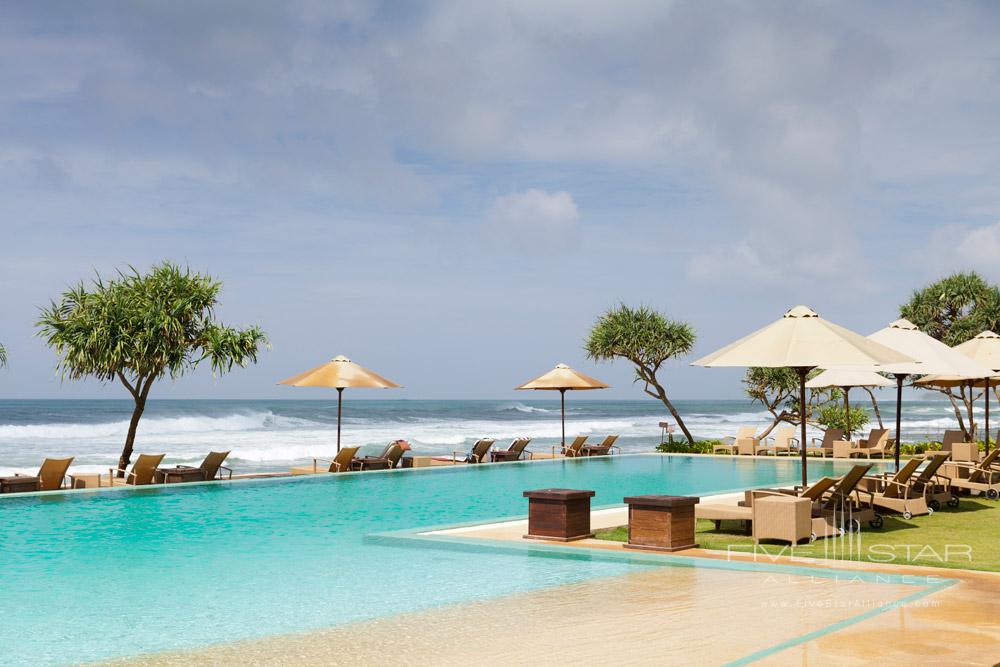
x=907, y=515
x=853, y=526
x=930, y=510
x=934, y=504
x=992, y=494
x=877, y=522
x=953, y=501
x=812, y=537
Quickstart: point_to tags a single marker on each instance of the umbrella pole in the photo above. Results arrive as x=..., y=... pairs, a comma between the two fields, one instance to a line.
x=987, y=417
x=899, y=409
x=340, y=398
x=803, y=371
x=847, y=413
x=562, y=400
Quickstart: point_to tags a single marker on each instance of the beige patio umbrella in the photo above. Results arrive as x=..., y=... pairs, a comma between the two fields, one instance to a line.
x=985, y=349
x=562, y=378
x=845, y=379
x=340, y=373
x=930, y=355
x=802, y=340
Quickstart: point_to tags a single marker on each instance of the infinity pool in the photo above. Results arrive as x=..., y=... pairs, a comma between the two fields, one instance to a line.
x=88, y=576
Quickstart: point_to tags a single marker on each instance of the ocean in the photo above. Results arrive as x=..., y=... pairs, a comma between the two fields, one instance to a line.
x=271, y=435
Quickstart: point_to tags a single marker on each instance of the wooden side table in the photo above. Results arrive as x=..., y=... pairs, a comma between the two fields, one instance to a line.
x=19, y=484
x=562, y=515
x=178, y=475
x=661, y=523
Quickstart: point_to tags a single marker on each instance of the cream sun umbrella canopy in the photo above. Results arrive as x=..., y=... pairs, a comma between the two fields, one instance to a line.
x=845, y=379
x=985, y=349
x=933, y=357
x=802, y=340
x=562, y=378
x=340, y=373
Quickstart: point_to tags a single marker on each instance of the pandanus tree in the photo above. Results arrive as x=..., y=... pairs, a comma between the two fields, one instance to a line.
x=138, y=328
x=954, y=310
x=646, y=338
x=3, y=356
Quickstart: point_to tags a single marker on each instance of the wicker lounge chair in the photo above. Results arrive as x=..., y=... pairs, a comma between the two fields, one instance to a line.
x=602, y=449
x=141, y=473
x=772, y=516
x=340, y=463
x=825, y=444
x=50, y=476
x=387, y=460
x=781, y=442
x=935, y=488
x=212, y=467
x=983, y=476
x=513, y=453
x=744, y=442
x=877, y=444
x=575, y=448
x=480, y=452
x=894, y=493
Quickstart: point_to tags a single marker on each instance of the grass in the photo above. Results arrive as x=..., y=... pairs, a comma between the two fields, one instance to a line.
x=966, y=537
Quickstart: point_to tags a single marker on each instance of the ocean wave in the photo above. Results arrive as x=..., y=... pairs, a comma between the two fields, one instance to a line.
x=521, y=407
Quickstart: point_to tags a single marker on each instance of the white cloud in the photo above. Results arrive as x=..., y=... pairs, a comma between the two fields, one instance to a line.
x=533, y=216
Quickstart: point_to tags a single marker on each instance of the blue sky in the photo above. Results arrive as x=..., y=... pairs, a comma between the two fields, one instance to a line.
x=451, y=193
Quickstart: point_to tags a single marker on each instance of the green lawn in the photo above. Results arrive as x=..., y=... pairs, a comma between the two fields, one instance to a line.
x=967, y=537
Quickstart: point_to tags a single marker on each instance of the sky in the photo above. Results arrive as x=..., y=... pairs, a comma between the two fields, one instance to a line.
x=451, y=193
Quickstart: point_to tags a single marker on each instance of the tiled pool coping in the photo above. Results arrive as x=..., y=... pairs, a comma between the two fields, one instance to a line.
x=435, y=537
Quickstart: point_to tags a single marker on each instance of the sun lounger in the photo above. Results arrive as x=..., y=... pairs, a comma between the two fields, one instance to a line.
x=212, y=466
x=514, y=452
x=825, y=444
x=772, y=516
x=983, y=477
x=876, y=444
x=781, y=442
x=744, y=442
x=834, y=498
x=50, y=477
x=387, y=460
x=602, y=449
x=479, y=453
x=340, y=463
x=894, y=493
x=141, y=473
x=575, y=448
x=935, y=488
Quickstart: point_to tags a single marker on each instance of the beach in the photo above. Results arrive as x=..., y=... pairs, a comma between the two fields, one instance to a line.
x=270, y=435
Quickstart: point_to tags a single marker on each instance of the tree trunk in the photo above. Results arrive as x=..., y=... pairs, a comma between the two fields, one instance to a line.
x=661, y=394
x=140, y=392
x=958, y=413
x=878, y=413
x=126, y=457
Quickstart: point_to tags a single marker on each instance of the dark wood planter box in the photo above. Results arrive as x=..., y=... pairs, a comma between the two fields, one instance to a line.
x=661, y=523
x=19, y=484
x=178, y=475
x=562, y=515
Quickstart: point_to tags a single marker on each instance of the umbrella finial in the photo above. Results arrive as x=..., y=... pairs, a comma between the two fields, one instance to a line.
x=903, y=324
x=801, y=311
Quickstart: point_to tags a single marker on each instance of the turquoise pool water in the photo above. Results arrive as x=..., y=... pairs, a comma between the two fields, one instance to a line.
x=86, y=576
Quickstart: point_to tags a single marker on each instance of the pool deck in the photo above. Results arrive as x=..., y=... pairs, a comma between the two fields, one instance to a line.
x=678, y=615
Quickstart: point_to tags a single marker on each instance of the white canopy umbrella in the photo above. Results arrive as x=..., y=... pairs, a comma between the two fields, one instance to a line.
x=844, y=380
x=985, y=349
x=931, y=357
x=802, y=340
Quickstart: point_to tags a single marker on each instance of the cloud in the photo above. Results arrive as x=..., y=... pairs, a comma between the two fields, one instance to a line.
x=534, y=216
x=962, y=248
